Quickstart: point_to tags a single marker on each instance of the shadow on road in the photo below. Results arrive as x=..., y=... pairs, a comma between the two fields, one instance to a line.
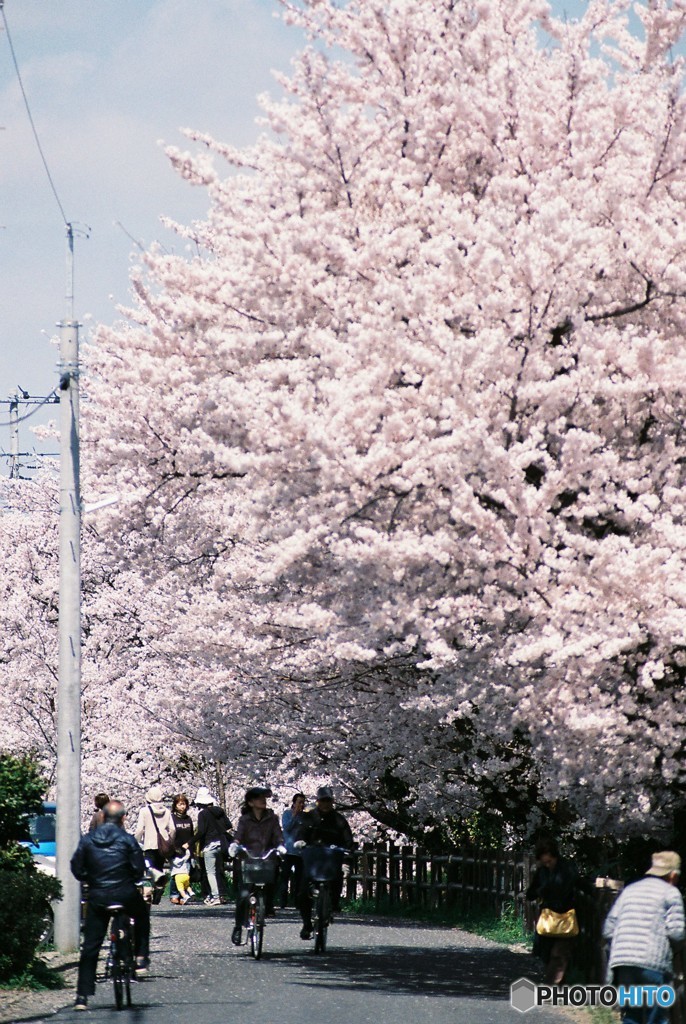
x=476, y=973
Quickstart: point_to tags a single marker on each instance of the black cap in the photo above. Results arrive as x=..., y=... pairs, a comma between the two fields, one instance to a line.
x=325, y=793
x=255, y=791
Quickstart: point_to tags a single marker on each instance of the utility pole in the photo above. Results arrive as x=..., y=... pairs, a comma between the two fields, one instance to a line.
x=68, y=909
x=14, y=436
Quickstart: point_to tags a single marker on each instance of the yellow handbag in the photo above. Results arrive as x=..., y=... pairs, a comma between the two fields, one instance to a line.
x=557, y=925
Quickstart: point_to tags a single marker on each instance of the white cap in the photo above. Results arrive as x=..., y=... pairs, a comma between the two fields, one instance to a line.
x=203, y=796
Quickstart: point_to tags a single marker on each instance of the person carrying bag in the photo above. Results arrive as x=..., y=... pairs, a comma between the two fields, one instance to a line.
x=557, y=884
x=165, y=845
x=155, y=832
x=561, y=925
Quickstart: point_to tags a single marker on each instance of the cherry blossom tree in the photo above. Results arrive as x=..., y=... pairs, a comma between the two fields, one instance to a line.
x=400, y=432
x=124, y=743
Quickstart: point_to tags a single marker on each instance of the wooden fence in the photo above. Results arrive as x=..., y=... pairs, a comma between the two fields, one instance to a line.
x=467, y=880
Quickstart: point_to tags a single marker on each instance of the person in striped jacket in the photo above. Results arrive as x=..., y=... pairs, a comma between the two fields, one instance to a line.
x=645, y=923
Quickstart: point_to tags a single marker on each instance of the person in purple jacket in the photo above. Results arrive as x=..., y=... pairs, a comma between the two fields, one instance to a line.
x=258, y=830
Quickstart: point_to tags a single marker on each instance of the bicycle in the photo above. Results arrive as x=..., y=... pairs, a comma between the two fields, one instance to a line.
x=121, y=962
x=257, y=872
x=322, y=866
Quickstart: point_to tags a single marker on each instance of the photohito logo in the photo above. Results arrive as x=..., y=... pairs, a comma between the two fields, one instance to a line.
x=525, y=995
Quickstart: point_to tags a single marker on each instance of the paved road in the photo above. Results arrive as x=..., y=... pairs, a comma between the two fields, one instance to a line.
x=375, y=972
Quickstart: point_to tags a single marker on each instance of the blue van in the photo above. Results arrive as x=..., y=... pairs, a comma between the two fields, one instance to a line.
x=42, y=829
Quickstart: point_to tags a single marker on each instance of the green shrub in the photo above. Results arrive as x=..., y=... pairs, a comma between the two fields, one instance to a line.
x=28, y=892
x=22, y=916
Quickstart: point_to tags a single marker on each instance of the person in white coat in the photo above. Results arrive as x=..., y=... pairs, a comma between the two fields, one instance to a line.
x=154, y=820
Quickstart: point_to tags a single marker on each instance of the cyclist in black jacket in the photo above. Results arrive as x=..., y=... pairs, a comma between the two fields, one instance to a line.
x=111, y=862
x=327, y=826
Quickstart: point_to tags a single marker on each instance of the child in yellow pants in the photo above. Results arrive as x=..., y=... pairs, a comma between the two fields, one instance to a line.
x=180, y=870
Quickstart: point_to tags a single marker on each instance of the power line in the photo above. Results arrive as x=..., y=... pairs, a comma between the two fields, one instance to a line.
x=30, y=455
x=24, y=400
x=28, y=111
x=39, y=405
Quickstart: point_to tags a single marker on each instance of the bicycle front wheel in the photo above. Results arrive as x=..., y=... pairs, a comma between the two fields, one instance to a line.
x=323, y=912
x=118, y=981
x=130, y=970
x=257, y=930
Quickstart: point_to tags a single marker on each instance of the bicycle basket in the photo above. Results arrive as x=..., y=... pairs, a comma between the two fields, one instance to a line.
x=322, y=864
x=259, y=872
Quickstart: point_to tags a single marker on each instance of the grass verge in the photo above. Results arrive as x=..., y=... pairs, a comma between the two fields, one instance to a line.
x=38, y=977
x=602, y=1015
x=507, y=928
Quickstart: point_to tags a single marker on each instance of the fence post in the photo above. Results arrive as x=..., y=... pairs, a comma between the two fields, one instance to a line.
x=451, y=875
x=463, y=882
x=380, y=872
x=408, y=876
x=607, y=891
x=367, y=877
x=350, y=882
x=393, y=873
x=435, y=880
x=523, y=907
x=421, y=878
x=497, y=883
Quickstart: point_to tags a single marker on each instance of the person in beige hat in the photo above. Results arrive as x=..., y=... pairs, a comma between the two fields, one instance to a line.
x=643, y=926
x=665, y=864
x=154, y=820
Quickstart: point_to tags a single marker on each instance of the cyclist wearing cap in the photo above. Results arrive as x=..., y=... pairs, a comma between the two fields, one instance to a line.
x=112, y=863
x=259, y=831
x=325, y=825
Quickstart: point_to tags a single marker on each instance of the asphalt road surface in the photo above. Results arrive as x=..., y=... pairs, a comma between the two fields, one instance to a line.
x=374, y=972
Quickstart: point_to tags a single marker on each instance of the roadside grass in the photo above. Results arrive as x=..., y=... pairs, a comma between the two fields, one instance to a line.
x=602, y=1015
x=38, y=977
x=507, y=929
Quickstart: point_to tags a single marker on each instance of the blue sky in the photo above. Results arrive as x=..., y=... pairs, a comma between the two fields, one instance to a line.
x=106, y=80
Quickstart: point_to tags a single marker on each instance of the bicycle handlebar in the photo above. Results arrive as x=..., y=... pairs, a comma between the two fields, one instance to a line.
x=243, y=850
x=324, y=846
